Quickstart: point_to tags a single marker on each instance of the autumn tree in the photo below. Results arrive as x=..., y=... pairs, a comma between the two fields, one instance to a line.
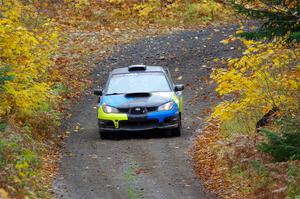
x=26, y=53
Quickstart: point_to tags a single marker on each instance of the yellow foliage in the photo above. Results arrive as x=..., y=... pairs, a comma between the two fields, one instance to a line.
x=78, y=4
x=266, y=76
x=81, y=3
x=209, y=8
x=116, y=2
x=144, y=9
x=3, y=194
x=28, y=53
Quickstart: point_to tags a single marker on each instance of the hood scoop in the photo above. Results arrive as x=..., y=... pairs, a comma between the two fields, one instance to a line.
x=138, y=94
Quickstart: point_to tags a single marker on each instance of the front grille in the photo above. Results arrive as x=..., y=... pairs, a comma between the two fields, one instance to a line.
x=152, y=109
x=138, y=123
x=134, y=111
x=138, y=110
x=123, y=110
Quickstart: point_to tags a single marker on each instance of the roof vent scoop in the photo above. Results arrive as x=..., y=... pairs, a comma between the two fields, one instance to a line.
x=136, y=68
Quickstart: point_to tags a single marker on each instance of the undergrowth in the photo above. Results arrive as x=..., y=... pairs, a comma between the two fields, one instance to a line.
x=253, y=138
x=20, y=165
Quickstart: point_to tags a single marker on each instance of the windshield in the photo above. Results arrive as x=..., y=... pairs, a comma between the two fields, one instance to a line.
x=137, y=82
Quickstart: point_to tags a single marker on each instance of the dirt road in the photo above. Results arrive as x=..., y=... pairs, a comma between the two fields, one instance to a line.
x=149, y=164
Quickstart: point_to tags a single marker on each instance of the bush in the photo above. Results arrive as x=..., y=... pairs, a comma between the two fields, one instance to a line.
x=286, y=146
x=205, y=11
x=293, y=182
x=19, y=164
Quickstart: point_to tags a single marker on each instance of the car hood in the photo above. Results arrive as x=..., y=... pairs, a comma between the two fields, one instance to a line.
x=124, y=101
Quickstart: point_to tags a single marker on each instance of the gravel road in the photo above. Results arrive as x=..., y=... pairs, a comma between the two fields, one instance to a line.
x=149, y=164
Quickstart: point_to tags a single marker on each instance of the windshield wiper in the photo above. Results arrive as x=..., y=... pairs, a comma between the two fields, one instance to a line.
x=114, y=94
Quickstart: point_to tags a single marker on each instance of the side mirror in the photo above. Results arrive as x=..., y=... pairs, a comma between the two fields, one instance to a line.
x=98, y=92
x=178, y=87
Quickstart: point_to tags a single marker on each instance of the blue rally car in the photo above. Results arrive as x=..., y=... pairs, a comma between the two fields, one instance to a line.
x=137, y=98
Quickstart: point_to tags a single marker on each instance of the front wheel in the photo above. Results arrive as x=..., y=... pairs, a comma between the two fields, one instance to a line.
x=177, y=131
x=103, y=135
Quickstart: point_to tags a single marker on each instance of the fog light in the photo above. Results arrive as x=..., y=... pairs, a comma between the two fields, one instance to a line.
x=174, y=119
x=171, y=120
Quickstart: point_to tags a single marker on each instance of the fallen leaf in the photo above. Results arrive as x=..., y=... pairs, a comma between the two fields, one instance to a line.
x=179, y=78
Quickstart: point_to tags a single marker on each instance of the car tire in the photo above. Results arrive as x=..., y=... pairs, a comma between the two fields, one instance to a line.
x=177, y=131
x=103, y=135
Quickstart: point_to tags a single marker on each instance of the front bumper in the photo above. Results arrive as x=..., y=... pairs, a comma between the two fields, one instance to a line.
x=140, y=124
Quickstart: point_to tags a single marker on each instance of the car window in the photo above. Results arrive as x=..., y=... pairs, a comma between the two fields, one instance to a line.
x=138, y=82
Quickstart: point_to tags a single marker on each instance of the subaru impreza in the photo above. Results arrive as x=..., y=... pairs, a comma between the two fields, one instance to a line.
x=138, y=98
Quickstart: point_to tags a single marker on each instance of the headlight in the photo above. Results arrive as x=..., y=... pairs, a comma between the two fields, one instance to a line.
x=109, y=109
x=166, y=106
